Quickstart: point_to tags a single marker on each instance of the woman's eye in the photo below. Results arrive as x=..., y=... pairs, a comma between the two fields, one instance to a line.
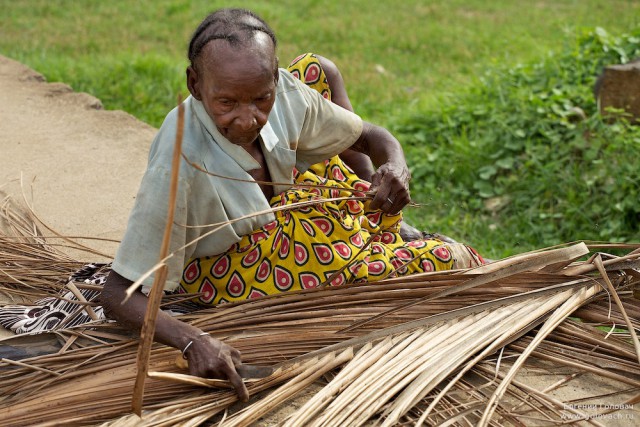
x=225, y=105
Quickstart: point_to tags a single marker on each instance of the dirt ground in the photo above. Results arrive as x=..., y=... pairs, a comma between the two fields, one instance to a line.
x=79, y=166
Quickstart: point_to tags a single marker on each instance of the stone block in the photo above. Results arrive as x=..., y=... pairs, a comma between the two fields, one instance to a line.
x=619, y=87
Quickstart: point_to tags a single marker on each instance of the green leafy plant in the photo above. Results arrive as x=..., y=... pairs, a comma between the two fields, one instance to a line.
x=523, y=158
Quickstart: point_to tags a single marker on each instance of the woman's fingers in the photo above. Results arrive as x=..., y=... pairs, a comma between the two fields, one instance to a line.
x=229, y=371
x=391, y=187
x=211, y=358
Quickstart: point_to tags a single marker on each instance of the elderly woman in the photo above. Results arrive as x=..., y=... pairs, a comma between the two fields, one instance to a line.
x=250, y=129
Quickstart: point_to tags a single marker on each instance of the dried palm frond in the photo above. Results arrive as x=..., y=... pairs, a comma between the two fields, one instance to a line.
x=30, y=266
x=439, y=348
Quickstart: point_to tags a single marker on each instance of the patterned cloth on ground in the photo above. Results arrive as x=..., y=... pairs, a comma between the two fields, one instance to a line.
x=68, y=310
x=53, y=313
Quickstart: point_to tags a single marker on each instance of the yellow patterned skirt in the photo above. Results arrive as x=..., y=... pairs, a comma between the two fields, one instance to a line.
x=329, y=242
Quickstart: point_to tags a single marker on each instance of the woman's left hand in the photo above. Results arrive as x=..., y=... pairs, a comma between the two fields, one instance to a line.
x=390, y=182
x=391, y=186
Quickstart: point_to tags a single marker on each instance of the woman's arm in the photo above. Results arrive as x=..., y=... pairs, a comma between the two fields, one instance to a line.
x=359, y=162
x=208, y=357
x=390, y=182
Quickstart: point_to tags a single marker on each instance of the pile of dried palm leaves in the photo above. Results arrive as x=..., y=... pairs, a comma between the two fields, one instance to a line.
x=433, y=349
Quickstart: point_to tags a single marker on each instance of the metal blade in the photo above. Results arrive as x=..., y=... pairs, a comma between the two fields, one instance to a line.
x=254, y=371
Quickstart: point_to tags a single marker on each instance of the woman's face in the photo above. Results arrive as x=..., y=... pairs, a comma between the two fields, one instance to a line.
x=237, y=87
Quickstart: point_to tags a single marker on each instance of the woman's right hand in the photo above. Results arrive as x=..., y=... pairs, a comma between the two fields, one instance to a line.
x=207, y=356
x=211, y=358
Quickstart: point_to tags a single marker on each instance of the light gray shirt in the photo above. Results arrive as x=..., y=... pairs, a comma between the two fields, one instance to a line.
x=302, y=129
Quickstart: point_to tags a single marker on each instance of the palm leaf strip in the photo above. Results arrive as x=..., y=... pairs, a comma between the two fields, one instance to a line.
x=432, y=341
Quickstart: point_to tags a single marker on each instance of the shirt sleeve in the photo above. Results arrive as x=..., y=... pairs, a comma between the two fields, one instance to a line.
x=139, y=251
x=327, y=130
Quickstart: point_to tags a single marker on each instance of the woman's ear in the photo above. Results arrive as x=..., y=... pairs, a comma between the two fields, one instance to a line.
x=193, y=83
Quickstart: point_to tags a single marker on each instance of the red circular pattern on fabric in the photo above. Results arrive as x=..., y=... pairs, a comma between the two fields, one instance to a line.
x=236, y=286
x=256, y=293
x=375, y=218
x=300, y=253
x=337, y=174
x=283, y=278
x=263, y=271
x=208, y=291
x=377, y=249
x=284, y=247
x=376, y=268
x=354, y=207
x=251, y=258
x=324, y=225
x=403, y=254
x=298, y=58
x=221, y=267
x=277, y=240
x=361, y=186
x=258, y=236
x=427, y=265
x=442, y=253
x=323, y=253
x=308, y=228
x=388, y=238
x=356, y=240
x=312, y=73
x=270, y=226
x=418, y=244
x=192, y=272
x=398, y=265
x=338, y=280
x=309, y=280
x=342, y=249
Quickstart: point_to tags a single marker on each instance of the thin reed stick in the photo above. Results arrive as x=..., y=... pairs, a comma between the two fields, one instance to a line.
x=155, y=296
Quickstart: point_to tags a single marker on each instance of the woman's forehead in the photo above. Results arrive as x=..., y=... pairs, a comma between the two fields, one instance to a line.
x=258, y=50
x=225, y=69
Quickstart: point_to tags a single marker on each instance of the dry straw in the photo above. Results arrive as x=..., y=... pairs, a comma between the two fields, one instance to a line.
x=448, y=348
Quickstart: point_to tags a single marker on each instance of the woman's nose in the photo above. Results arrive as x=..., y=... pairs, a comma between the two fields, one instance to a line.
x=247, y=118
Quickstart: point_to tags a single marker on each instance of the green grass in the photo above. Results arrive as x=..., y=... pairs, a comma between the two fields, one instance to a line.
x=131, y=54
x=417, y=66
x=508, y=164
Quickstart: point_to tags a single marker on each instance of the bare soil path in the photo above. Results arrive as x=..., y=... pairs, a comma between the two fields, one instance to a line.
x=78, y=165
